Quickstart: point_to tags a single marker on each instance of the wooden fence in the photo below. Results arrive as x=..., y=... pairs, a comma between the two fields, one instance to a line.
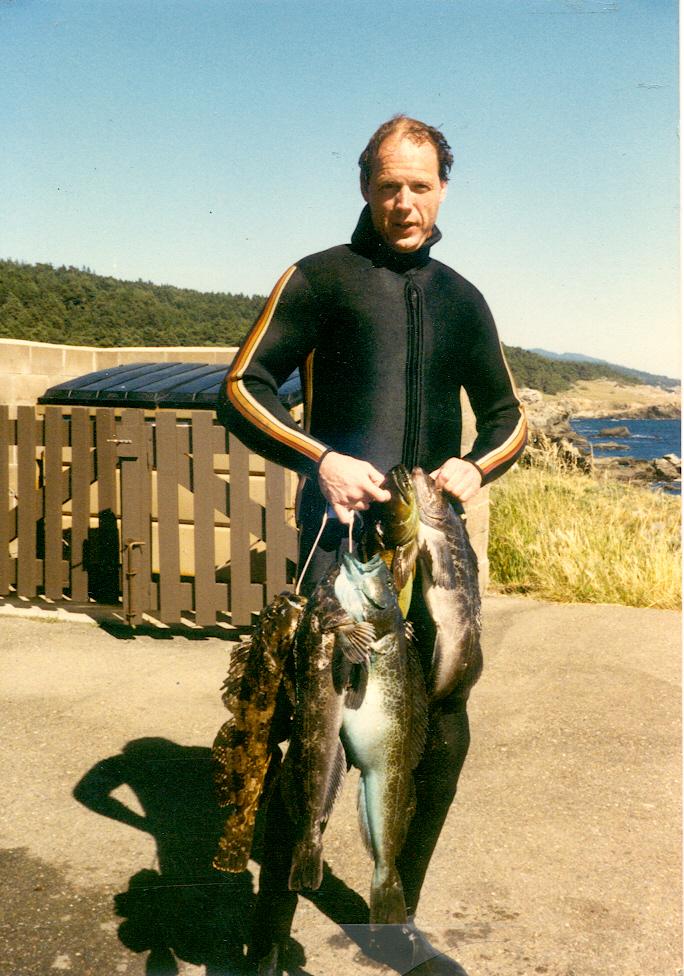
x=163, y=515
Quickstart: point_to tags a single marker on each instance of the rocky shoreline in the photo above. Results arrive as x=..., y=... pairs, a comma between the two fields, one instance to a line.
x=550, y=430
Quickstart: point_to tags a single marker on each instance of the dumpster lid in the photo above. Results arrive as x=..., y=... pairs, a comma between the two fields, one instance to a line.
x=175, y=386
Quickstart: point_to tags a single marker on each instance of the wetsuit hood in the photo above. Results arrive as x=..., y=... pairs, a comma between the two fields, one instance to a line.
x=366, y=240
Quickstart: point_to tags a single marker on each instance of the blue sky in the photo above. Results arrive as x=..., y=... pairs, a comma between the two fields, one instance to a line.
x=211, y=143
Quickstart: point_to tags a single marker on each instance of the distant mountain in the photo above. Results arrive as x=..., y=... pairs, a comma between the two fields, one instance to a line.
x=651, y=379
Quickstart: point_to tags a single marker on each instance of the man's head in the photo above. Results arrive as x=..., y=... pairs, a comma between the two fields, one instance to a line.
x=404, y=173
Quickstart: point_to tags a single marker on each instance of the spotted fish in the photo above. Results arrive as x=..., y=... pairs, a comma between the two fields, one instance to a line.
x=240, y=752
x=385, y=735
x=450, y=588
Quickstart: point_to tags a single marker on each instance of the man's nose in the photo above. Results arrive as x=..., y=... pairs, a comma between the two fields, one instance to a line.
x=402, y=200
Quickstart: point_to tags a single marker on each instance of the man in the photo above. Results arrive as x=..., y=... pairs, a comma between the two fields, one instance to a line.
x=384, y=337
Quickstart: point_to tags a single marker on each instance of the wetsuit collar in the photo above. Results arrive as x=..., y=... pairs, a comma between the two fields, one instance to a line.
x=366, y=240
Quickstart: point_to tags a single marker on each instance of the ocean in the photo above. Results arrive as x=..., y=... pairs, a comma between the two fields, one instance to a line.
x=647, y=439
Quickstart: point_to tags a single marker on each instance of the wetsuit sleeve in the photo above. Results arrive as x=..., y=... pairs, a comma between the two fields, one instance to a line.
x=281, y=339
x=499, y=414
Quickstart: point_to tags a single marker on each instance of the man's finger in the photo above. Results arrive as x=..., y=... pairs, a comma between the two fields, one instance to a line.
x=345, y=515
x=377, y=493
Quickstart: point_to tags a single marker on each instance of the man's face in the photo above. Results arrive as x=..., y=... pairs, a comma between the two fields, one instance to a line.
x=404, y=192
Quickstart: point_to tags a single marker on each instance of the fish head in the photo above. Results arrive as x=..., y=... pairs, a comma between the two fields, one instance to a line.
x=395, y=522
x=364, y=585
x=281, y=617
x=432, y=504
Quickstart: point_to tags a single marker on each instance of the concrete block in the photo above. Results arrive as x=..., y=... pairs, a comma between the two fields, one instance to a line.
x=47, y=359
x=15, y=356
x=24, y=389
x=78, y=361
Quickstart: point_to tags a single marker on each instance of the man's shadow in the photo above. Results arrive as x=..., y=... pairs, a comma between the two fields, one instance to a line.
x=187, y=909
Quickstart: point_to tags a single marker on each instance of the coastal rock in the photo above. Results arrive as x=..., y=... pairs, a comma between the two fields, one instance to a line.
x=665, y=470
x=609, y=446
x=615, y=432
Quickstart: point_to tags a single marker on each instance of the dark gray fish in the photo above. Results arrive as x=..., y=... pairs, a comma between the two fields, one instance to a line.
x=330, y=648
x=240, y=752
x=451, y=590
x=385, y=735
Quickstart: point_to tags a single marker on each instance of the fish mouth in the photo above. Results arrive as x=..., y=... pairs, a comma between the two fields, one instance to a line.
x=354, y=567
x=398, y=481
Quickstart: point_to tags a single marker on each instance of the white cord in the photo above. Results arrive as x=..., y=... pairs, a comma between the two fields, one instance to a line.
x=313, y=547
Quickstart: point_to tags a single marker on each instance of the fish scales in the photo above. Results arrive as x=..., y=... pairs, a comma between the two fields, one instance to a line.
x=385, y=736
x=451, y=592
x=315, y=764
x=240, y=751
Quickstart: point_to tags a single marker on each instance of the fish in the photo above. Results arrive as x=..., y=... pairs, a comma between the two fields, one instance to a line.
x=391, y=529
x=449, y=579
x=331, y=655
x=240, y=751
x=385, y=735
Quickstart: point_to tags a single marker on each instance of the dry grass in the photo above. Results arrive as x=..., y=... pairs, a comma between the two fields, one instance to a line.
x=561, y=535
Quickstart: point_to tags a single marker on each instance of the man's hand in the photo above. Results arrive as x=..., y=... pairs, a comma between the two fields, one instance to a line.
x=350, y=485
x=460, y=478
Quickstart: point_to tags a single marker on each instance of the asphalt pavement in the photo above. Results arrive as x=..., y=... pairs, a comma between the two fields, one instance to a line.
x=561, y=854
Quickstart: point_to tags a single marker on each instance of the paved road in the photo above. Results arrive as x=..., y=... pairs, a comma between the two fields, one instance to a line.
x=561, y=855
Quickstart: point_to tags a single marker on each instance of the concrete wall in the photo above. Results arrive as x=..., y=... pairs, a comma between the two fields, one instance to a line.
x=28, y=369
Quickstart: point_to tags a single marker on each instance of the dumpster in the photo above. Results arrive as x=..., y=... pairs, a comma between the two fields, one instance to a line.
x=148, y=431
x=174, y=386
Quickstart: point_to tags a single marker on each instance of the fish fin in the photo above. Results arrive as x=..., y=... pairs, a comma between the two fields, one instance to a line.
x=364, y=824
x=356, y=689
x=387, y=904
x=306, y=869
x=354, y=640
x=237, y=668
x=341, y=669
x=337, y=774
x=438, y=563
x=403, y=564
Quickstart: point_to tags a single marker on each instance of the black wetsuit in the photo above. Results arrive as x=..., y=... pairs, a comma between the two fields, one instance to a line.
x=384, y=342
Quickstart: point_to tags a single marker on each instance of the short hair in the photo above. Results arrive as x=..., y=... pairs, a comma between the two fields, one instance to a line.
x=415, y=130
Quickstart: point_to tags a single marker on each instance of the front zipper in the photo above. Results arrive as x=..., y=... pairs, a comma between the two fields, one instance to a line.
x=414, y=373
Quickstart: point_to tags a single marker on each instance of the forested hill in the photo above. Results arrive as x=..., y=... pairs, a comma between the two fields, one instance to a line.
x=76, y=307
x=555, y=376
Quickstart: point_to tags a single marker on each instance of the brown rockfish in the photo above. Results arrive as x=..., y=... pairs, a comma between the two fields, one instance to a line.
x=331, y=654
x=448, y=567
x=385, y=735
x=392, y=531
x=240, y=752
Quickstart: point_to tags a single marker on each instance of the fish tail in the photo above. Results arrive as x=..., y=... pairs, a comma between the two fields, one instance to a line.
x=306, y=870
x=387, y=905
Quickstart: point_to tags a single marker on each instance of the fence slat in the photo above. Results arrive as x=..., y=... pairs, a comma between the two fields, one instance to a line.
x=167, y=506
x=275, y=526
x=240, y=572
x=105, y=569
x=80, y=501
x=209, y=595
x=134, y=454
x=5, y=567
x=27, y=502
x=54, y=542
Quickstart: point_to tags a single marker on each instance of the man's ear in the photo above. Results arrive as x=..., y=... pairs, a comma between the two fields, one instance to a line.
x=364, y=188
x=443, y=191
